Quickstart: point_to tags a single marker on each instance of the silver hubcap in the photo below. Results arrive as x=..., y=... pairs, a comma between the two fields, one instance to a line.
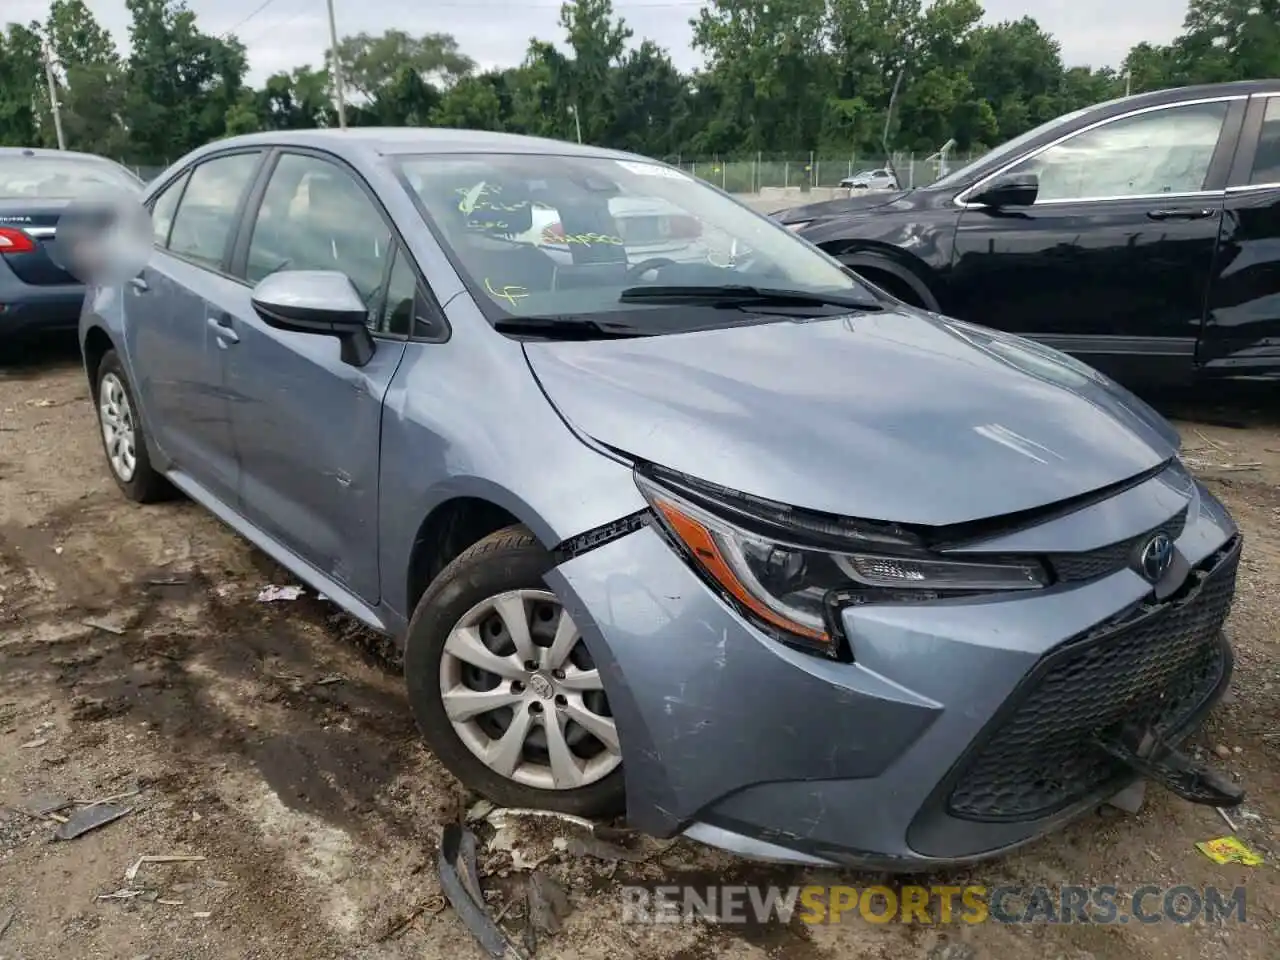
x=118, y=432
x=522, y=692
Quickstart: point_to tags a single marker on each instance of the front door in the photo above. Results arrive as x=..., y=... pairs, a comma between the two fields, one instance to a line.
x=307, y=425
x=1112, y=262
x=1242, y=334
x=179, y=365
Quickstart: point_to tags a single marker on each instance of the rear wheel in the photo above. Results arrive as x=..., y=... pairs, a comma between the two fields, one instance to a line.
x=504, y=689
x=123, y=440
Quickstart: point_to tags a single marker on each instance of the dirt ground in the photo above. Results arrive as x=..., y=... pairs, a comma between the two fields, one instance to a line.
x=274, y=741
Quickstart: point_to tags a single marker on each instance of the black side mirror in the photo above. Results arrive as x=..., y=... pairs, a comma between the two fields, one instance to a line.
x=1014, y=190
x=317, y=301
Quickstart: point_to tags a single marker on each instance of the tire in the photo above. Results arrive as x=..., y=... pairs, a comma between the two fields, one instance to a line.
x=507, y=568
x=113, y=392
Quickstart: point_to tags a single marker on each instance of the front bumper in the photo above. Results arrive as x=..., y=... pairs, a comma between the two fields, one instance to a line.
x=927, y=749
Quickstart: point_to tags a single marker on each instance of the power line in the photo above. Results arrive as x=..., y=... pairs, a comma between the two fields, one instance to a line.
x=256, y=10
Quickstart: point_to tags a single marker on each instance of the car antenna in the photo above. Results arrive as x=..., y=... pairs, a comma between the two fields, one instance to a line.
x=888, y=120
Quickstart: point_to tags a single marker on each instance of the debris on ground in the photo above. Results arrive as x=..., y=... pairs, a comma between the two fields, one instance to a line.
x=6, y=918
x=32, y=744
x=1227, y=818
x=461, y=884
x=45, y=806
x=428, y=907
x=589, y=846
x=548, y=905
x=132, y=872
x=272, y=593
x=104, y=625
x=1226, y=850
x=90, y=818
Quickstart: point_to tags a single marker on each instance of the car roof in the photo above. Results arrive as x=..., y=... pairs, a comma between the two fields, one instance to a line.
x=392, y=141
x=47, y=153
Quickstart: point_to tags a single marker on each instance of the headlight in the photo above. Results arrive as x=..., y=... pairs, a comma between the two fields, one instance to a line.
x=793, y=575
x=799, y=224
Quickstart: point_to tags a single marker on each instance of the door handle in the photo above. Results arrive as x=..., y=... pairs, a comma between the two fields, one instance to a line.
x=1183, y=213
x=221, y=326
x=139, y=284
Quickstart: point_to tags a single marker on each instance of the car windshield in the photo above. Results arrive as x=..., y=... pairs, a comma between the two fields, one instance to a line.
x=60, y=177
x=581, y=239
x=1009, y=149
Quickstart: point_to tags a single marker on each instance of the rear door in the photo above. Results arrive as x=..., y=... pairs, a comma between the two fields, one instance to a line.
x=307, y=425
x=1112, y=262
x=178, y=354
x=1242, y=332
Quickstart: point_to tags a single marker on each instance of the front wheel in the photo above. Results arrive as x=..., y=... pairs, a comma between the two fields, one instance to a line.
x=503, y=687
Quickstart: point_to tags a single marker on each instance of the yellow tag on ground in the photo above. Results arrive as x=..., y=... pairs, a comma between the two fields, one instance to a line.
x=1228, y=850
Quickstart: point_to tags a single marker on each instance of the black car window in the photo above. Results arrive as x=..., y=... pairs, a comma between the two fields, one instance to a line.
x=1266, y=162
x=1146, y=154
x=402, y=297
x=206, y=216
x=315, y=216
x=163, y=208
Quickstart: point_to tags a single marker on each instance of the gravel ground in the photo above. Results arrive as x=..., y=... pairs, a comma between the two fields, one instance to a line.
x=274, y=741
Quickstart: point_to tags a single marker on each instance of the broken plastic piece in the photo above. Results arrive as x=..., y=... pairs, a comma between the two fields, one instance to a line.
x=273, y=593
x=90, y=818
x=1226, y=850
x=1146, y=753
x=461, y=884
x=133, y=871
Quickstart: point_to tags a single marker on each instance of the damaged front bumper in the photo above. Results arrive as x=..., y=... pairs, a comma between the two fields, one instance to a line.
x=961, y=729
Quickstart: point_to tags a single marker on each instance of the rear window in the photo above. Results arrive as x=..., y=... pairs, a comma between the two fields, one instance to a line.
x=60, y=177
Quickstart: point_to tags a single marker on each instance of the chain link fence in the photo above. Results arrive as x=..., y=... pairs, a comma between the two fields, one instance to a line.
x=823, y=171
x=765, y=172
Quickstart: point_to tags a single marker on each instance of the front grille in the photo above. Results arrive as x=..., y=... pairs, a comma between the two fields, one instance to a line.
x=1158, y=668
x=1074, y=567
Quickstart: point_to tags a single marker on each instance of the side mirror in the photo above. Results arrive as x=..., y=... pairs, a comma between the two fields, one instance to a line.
x=317, y=301
x=1014, y=190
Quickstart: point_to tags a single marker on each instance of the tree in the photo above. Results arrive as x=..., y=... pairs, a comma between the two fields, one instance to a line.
x=182, y=82
x=20, y=74
x=89, y=79
x=371, y=63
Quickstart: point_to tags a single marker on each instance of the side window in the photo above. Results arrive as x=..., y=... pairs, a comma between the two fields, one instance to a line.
x=399, y=308
x=163, y=209
x=1266, y=162
x=1164, y=151
x=207, y=215
x=315, y=216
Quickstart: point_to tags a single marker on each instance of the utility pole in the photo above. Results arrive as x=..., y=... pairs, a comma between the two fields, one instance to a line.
x=1128, y=82
x=53, y=94
x=577, y=124
x=337, y=69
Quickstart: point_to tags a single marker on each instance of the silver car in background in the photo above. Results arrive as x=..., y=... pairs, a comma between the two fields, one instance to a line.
x=739, y=546
x=881, y=178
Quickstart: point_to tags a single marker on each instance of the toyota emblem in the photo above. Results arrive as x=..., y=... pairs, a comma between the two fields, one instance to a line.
x=1156, y=557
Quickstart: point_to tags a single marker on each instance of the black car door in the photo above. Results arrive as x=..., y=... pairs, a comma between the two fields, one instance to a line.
x=1112, y=261
x=1242, y=326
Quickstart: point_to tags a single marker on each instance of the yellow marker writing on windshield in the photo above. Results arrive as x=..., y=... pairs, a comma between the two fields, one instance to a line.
x=509, y=293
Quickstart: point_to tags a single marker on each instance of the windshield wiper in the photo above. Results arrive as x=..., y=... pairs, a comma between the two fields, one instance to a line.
x=731, y=294
x=565, y=328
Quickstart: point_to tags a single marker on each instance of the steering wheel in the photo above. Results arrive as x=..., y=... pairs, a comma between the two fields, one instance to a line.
x=638, y=270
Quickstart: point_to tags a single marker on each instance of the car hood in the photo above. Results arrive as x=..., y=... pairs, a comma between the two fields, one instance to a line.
x=899, y=416
x=841, y=207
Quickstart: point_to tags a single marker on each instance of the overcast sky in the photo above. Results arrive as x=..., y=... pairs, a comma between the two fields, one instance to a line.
x=285, y=33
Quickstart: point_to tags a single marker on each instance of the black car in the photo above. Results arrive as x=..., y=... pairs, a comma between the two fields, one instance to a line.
x=1141, y=235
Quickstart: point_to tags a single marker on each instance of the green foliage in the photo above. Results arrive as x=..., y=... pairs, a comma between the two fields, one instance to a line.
x=783, y=77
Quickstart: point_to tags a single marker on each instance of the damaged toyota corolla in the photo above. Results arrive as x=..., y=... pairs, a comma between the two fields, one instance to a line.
x=727, y=539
